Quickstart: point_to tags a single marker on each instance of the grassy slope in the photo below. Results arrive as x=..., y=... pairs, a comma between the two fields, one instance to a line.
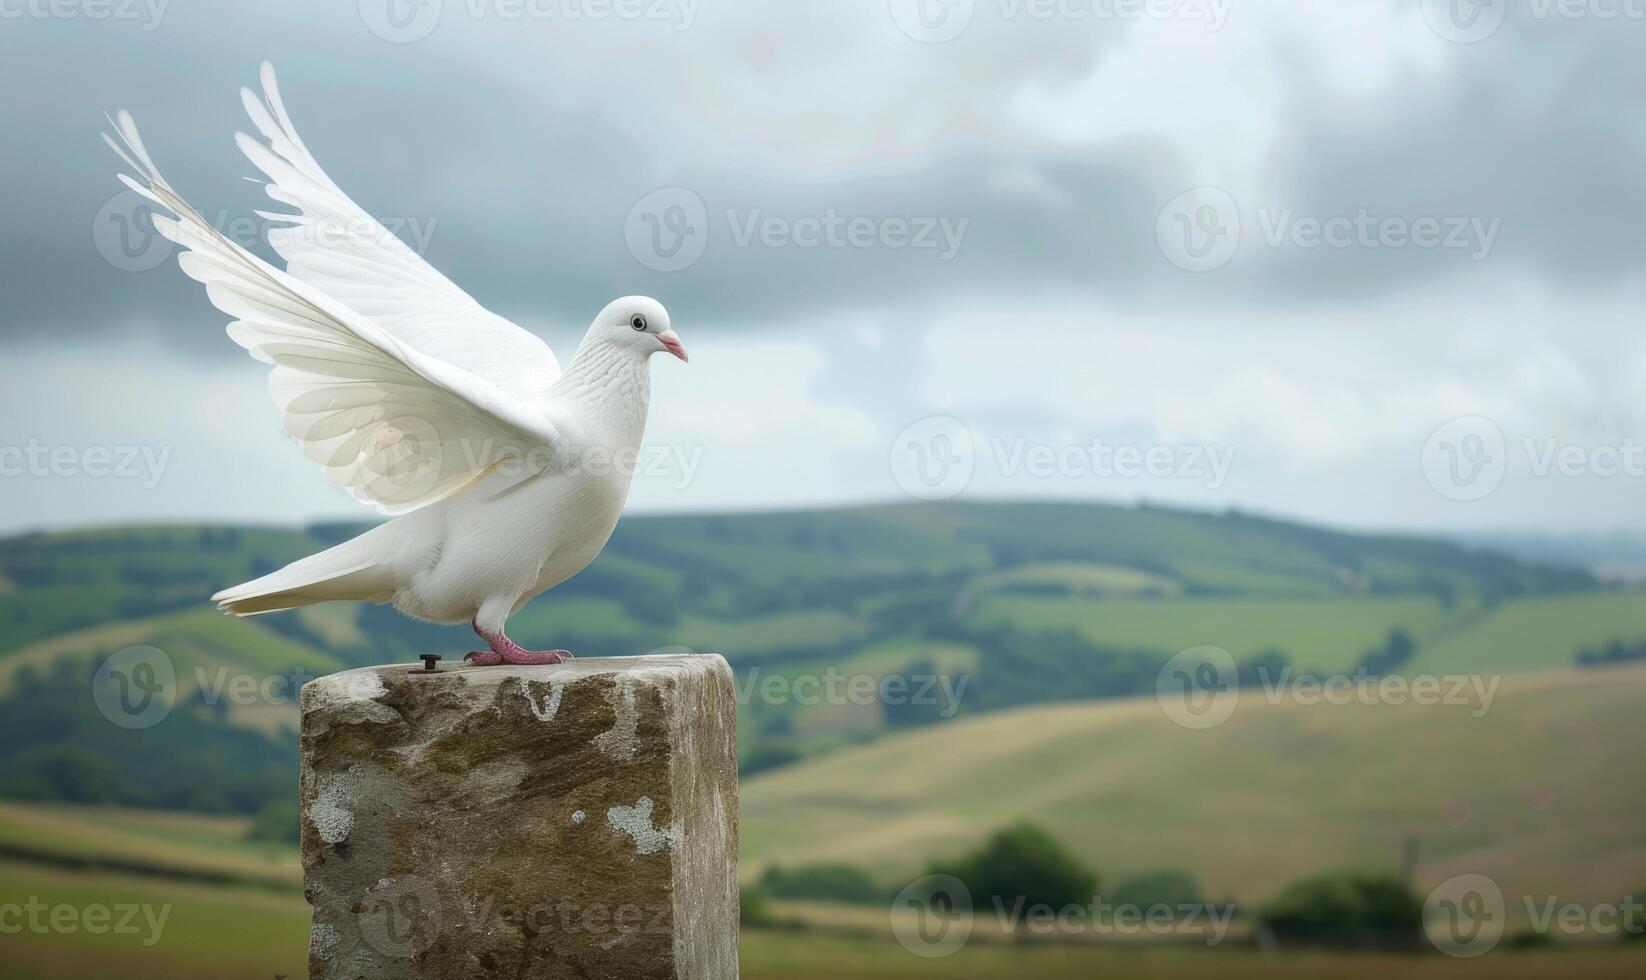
x=188, y=842
x=1537, y=790
x=225, y=933
x=1325, y=634
x=1537, y=631
x=207, y=649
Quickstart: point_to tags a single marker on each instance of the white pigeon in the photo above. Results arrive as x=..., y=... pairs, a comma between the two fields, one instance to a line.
x=508, y=475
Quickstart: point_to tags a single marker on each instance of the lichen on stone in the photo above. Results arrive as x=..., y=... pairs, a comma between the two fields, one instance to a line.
x=619, y=742
x=331, y=818
x=323, y=940
x=636, y=821
x=551, y=703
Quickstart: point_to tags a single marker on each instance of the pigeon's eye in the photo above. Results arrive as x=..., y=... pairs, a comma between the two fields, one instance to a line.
x=638, y=321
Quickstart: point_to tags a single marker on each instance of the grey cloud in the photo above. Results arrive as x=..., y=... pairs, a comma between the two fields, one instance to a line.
x=528, y=182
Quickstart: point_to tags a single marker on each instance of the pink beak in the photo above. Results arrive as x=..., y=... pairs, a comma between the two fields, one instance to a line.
x=671, y=341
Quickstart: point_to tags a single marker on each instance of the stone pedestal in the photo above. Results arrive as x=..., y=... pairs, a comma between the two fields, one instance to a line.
x=576, y=820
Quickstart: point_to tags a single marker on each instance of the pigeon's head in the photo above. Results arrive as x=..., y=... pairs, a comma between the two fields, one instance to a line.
x=639, y=323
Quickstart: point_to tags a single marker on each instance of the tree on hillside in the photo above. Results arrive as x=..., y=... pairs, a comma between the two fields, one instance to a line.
x=1169, y=889
x=1021, y=867
x=1345, y=909
x=1396, y=650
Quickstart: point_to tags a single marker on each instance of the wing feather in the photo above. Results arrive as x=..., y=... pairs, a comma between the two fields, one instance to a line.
x=396, y=427
x=332, y=243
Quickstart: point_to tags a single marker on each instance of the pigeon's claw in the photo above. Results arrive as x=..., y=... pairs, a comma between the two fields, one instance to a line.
x=506, y=651
x=518, y=656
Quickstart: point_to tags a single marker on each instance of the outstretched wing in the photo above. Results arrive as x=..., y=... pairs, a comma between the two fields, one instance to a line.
x=332, y=244
x=396, y=427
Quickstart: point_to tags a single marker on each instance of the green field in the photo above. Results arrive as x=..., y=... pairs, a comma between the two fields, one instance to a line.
x=1535, y=632
x=226, y=933
x=1537, y=792
x=184, y=931
x=1317, y=634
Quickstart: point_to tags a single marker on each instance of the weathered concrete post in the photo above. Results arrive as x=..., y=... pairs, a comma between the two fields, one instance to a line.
x=577, y=820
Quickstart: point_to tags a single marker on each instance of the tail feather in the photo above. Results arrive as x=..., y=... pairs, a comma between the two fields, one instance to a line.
x=346, y=571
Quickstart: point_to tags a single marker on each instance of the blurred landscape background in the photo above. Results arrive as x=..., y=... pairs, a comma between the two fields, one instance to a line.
x=1167, y=477
x=1040, y=634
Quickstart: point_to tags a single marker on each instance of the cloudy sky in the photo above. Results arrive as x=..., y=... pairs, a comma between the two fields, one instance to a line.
x=1373, y=262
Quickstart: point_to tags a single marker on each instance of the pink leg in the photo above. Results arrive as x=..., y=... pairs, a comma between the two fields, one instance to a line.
x=506, y=651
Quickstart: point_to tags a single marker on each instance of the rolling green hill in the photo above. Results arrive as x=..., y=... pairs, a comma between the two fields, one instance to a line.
x=1028, y=602
x=1538, y=791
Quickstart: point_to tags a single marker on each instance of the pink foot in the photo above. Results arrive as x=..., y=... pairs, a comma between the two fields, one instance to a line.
x=506, y=651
